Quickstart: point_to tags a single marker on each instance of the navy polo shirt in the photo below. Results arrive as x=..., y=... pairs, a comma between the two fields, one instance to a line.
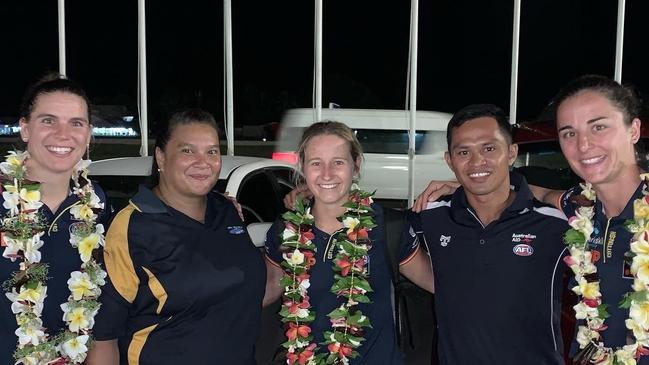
x=497, y=287
x=609, y=242
x=380, y=345
x=62, y=259
x=181, y=291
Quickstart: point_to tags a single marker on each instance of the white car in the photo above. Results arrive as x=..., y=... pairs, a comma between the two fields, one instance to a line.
x=383, y=134
x=258, y=184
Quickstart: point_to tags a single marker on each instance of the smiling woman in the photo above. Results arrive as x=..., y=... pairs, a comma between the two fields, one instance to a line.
x=53, y=219
x=185, y=281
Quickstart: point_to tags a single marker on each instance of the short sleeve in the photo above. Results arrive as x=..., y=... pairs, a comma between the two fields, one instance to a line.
x=409, y=237
x=567, y=206
x=110, y=322
x=273, y=242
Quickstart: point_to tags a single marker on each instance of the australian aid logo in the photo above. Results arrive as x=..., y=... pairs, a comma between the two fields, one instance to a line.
x=524, y=240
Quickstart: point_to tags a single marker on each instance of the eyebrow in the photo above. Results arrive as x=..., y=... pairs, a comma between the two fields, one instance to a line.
x=55, y=117
x=590, y=121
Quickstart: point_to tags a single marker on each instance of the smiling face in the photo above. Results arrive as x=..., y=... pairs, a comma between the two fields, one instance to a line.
x=57, y=133
x=328, y=169
x=191, y=161
x=480, y=156
x=594, y=138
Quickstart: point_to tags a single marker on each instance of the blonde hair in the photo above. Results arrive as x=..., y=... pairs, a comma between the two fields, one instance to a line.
x=332, y=128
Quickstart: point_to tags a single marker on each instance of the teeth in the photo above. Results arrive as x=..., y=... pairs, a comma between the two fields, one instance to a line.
x=479, y=174
x=59, y=150
x=328, y=186
x=593, y=160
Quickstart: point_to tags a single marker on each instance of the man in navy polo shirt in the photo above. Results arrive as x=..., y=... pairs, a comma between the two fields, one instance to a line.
x=496, y=252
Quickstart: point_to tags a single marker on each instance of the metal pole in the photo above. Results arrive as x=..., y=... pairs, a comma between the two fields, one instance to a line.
x=141, y=58
x=318, y=61
x=515, y=45
x=62, y=69
x=414, y=26
x=227, y=44
x=619, y=40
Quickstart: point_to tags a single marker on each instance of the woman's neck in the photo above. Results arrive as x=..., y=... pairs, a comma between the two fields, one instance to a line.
x=54, y=188
x=191, y=207
x=326, y=216
x=615, y=195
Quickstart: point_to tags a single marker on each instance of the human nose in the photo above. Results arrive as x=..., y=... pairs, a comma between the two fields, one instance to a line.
x=327, y=171
x=584, y=143
x=62, y=130
x=477, y=159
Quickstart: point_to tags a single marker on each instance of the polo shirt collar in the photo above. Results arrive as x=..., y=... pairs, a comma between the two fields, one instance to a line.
x=147, y=202
x=523, y=200
x=627, y=212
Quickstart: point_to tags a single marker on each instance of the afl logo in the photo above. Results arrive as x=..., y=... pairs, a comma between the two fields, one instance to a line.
x=523, y=250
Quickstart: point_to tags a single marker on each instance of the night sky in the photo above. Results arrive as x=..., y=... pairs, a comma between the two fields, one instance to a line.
x=464, y=52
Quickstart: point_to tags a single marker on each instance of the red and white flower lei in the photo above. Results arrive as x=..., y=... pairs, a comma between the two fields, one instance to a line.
x=590, y=307
x=350, y=282
x=22, y=229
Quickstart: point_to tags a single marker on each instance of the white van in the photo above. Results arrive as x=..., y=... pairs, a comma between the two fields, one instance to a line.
x=384, y=137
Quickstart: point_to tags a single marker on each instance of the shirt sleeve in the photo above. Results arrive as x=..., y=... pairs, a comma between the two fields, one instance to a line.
x=273, y=242
x=409, y=237
x=122, y=283
x=567, y=206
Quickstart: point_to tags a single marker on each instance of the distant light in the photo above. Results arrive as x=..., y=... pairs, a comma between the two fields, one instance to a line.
x=9, y=130
x=128, y=118
x=263, y=139
x=114, y=132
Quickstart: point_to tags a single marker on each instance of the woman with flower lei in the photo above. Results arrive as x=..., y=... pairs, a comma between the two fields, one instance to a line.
x=52, y=222
x=327, y=260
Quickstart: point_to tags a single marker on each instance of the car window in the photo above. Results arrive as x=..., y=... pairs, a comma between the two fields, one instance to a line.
x=385, y=141
x=262, y=192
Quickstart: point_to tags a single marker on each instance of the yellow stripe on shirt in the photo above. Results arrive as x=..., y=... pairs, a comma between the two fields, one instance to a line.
x=157, y=289
x=137, y=344
x=117, y=258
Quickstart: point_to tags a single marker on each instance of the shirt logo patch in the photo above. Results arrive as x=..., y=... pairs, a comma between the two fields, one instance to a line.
x=76, y=228
x=523, y=250
x=526, y=238
x=444, y=240
x=236, y=230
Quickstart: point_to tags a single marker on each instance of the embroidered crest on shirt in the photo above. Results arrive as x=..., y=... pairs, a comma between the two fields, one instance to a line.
x=236, y=230
x=444, y=240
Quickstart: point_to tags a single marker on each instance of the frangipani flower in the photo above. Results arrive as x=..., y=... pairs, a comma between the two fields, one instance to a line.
x=582, y=311
x=586, y=289
x=30, y=334
x=640, y=268
x=32, y=198
x=80, y=285
x=87, y=245
x=587, y=191
x=582, y=222
x=585, y=336
x=641, y=246
x=626, y=355
x=31, y=248
x=295, y=258
x=77, y=319
x=350, y=223
x=83, y=212
x=580, y=261
x=11, y=200
x=639, y=312
x=641, y=335
x=75, y=348
x=640, y=209
x=14, y=246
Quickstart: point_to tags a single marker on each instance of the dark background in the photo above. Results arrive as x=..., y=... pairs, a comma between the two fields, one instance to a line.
x=464, y=52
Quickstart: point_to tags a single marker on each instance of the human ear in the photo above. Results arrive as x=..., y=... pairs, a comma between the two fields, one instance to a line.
x=513, y=153
x=159, y=158
x=24, y=132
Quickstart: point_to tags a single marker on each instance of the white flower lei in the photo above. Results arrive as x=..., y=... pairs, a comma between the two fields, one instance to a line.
x=22, y=231
x=590, y=307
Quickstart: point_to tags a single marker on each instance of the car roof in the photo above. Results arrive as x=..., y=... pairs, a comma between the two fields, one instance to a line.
x=141, y=166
